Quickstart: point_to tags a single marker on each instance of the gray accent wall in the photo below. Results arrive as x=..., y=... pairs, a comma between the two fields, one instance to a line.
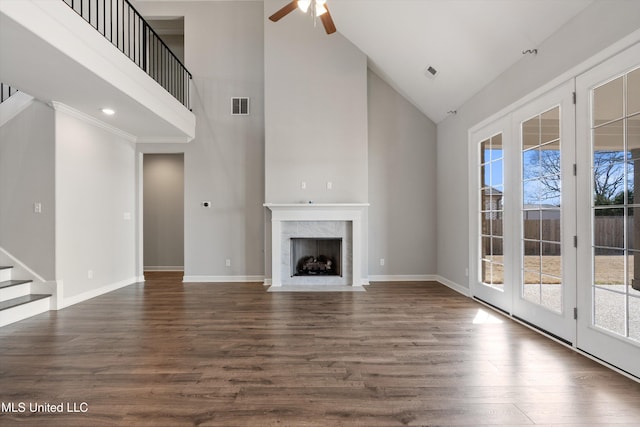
x=402, y=185
x=316, y=113
x=597, y=27
x=163, y=206
x=27, y=167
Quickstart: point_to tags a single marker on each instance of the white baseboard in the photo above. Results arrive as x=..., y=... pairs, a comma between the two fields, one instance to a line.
x=403, y=278
x=222, y=279
x=456, y=287
x=66, y=302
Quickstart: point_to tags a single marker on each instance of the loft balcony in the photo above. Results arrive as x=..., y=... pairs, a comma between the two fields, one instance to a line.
x=92, y=54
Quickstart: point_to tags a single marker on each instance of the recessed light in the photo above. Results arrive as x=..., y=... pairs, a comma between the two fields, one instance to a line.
x=108, y=111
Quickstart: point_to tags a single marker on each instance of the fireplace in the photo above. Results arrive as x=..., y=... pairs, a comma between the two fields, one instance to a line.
x=316, y=257
x=339, y=224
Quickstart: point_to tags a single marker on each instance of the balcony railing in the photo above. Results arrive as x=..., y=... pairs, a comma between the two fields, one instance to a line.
x=120, y=23
x=6, y=91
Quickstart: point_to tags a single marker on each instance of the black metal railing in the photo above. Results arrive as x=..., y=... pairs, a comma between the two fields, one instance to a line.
x=6, y=91
x=120, y=23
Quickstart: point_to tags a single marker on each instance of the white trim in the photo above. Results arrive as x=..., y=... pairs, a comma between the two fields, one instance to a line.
x=58, y=106
x=314, y=205
x=403, y=278
x=222, y=279
x=454, y=286
x=164, y=268
x=163, y=140
x=22, y=266
x=14, y=105
x=67, y=302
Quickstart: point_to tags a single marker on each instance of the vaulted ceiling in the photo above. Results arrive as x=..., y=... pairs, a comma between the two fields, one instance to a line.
x=468, y=43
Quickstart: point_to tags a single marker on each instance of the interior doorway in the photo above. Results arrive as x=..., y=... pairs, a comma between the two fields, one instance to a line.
x=163, y=212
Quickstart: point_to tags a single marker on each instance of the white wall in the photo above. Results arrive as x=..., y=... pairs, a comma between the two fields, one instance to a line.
x=95, y=190
x=225, y=163
x=27, y=177
x=316, y=113
x=600, y=25
x=402, y=186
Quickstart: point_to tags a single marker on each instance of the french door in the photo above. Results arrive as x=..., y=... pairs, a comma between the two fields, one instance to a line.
x=525, y=213
x=608, y=135
x=545, y=212
x=557, y=212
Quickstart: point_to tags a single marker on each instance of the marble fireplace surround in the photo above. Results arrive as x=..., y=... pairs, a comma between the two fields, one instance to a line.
x=316, y=220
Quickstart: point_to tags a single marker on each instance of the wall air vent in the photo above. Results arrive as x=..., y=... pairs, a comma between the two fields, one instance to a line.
x=239, y=106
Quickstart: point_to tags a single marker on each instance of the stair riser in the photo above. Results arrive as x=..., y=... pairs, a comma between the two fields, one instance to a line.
x=5, y=274
x=24, y=311
x=15, y=291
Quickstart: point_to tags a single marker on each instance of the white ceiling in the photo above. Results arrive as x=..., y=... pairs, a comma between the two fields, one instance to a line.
x=469, y=42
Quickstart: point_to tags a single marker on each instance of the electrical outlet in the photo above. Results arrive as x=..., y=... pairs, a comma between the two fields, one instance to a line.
x=90, y=274
x=303, y=185
x=381, y=261
x=37, y=207
x=329, y=185
x=227, y=263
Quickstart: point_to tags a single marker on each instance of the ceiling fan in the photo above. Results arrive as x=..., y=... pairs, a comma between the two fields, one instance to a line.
x=317, y=7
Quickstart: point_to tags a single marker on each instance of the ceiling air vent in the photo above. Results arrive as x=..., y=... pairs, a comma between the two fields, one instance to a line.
x=239, y=106
x=430, y=72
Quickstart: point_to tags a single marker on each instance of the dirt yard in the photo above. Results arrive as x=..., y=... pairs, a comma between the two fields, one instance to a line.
x=609, y=269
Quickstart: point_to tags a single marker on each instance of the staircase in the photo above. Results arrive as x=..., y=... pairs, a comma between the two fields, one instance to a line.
x=16, y=300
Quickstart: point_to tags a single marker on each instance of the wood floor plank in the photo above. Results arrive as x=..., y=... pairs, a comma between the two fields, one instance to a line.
x=164, y=353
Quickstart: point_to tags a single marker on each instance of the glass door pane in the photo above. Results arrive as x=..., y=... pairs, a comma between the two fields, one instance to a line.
x=616, y=161
x=541, y=210
x=492, y=212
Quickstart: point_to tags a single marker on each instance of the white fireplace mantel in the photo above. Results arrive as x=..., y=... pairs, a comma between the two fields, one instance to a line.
x=283, y=212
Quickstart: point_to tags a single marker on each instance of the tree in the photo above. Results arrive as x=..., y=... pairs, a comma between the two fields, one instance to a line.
x=608, y=176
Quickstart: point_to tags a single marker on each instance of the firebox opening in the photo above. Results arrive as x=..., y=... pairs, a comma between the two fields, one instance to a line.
x=316, y=256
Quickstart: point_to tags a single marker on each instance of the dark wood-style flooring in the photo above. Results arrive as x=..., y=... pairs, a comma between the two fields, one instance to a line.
x=165, y=353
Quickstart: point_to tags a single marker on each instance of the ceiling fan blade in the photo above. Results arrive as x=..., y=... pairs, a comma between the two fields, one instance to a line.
x=327, y=21
x=287, y=9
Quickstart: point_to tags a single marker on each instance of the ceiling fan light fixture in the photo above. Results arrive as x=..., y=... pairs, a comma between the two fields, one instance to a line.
x=320, y=7
x=303, y=5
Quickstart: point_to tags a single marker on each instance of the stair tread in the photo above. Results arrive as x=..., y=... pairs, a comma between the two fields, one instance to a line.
x=10, y=283
x=4, y=267
x=5, y=305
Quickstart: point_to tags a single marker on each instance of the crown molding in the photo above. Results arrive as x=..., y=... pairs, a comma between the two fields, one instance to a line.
x=58, y=106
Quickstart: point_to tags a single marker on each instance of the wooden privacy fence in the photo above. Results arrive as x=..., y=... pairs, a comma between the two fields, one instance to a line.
x=542, y=237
